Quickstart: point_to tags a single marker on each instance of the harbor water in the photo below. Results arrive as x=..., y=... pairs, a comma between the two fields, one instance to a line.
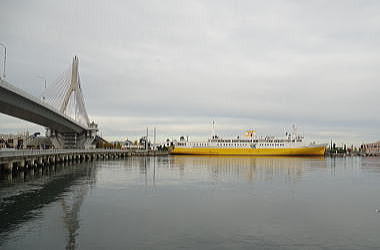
x=192, y=202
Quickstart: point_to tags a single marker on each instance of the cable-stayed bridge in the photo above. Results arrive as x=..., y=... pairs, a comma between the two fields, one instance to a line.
x=61, y=109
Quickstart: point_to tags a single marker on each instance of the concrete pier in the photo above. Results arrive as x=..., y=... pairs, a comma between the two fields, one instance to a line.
x=21, y=159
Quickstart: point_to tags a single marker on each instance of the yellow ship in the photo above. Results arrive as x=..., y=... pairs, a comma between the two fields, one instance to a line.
x=290, y=145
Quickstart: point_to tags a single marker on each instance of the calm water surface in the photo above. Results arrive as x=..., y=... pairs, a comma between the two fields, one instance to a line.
x=195, y=203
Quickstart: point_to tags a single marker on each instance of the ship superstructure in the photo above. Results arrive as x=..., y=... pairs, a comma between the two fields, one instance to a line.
x=291, y=144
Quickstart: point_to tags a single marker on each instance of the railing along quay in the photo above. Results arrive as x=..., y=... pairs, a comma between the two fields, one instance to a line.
x=31, y=158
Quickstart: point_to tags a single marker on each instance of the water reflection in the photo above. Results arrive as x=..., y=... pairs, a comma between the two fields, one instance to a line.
x=195, y=203
x=71, y=213
x=371, y=164
x=25, y=194
x=160, y=170
x=251, y=168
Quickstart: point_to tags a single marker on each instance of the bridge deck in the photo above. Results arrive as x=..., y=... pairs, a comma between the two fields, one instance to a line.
x=16, y=102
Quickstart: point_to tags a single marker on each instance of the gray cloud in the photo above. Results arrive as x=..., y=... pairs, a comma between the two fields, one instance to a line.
x=179, y=64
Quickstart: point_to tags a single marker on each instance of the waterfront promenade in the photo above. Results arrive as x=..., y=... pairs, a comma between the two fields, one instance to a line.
x=19, y=159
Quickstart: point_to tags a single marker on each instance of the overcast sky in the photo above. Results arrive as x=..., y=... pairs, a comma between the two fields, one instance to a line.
x=178, y=65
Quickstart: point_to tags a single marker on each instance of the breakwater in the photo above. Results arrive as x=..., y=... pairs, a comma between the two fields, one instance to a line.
x=14, y=160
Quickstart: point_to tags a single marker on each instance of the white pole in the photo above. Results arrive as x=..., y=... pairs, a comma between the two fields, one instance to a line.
x=43, y=78
x=5, y=58
x=146, y=141
x=154, y=140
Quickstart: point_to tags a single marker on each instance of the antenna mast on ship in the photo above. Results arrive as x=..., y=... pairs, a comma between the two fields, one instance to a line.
x=213, y=135
x=294, y=128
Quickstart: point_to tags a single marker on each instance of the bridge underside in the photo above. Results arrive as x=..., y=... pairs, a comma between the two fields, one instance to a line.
x=32, y=110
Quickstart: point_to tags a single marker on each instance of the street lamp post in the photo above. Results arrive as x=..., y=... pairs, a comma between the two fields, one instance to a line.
x=5, y=58
x=43, y=78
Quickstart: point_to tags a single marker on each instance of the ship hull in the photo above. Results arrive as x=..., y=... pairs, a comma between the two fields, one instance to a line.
x=301, y=151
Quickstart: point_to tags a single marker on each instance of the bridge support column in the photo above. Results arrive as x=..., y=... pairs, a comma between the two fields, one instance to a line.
x=29, y=163
x=9, y=166
x=22, y=163
x=71, y=140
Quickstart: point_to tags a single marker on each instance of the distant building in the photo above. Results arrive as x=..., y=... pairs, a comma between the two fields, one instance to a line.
x=24, y=141
x=371, y=148
x=128, y=143
x=18, y=141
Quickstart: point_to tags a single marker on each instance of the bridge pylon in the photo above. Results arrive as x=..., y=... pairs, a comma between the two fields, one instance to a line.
x=66, y=96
